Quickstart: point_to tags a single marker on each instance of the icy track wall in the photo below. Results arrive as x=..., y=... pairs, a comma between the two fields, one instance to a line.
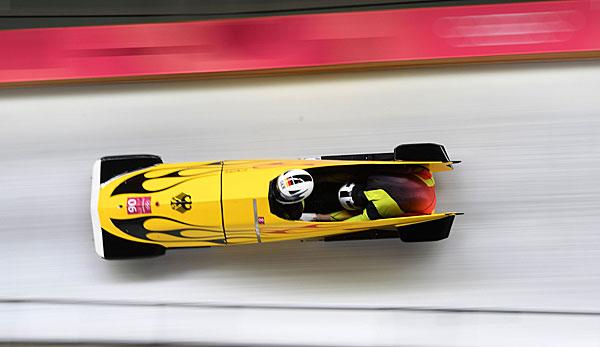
x=520, y=267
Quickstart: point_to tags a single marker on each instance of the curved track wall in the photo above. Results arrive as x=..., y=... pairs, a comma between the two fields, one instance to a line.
x=523, y=260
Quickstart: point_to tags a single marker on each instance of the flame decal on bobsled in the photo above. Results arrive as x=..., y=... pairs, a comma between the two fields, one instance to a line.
x=135, y=184
x=142, y=228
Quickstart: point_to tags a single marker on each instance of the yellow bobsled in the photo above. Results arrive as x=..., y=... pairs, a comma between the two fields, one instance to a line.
x=141, y=206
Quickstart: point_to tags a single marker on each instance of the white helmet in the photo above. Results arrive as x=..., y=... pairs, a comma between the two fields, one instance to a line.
x=294, y=186
x=345, y=197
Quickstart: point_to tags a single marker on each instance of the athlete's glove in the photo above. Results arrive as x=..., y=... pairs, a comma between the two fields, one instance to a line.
x=309, y=217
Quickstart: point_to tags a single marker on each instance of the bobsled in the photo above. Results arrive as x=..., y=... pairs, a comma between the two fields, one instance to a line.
x=141, y=206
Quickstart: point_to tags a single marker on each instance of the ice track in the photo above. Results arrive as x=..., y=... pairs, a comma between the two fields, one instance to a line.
x=521, y=267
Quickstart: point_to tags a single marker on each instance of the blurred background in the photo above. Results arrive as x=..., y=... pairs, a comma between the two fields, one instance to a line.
x=509, y=87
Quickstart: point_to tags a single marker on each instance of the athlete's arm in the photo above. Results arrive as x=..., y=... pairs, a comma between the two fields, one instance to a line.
x=328, y=217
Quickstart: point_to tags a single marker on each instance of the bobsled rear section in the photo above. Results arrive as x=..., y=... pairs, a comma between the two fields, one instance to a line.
x=426, y=152
x=434, y=228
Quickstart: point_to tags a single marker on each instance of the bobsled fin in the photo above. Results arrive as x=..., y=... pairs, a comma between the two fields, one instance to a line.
x=421, y=152
x=434, y=230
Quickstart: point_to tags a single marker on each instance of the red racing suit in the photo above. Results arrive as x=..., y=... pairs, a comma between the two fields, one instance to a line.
x=388, y=196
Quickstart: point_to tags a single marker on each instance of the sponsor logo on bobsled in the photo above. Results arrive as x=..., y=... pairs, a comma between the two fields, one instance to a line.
x=139, y=205
x=181, y=202
x=261, y=220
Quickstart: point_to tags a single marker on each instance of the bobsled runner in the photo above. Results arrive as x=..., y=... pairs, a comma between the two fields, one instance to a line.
x=141, y=207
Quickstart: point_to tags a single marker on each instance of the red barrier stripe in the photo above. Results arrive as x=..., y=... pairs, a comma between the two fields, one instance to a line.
x=334, y=39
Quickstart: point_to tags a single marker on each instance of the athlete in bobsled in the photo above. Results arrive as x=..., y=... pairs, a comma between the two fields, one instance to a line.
x=379, y=196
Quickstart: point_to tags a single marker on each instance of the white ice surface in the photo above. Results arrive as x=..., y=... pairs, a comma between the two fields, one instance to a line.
x=529, y=139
